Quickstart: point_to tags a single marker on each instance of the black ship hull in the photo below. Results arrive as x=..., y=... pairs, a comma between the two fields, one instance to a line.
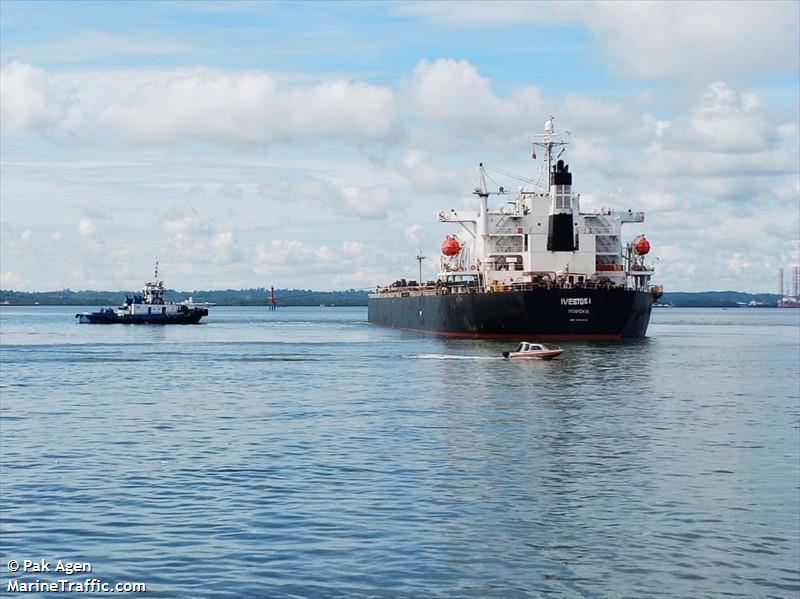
x=542, y=313
x=110, y=317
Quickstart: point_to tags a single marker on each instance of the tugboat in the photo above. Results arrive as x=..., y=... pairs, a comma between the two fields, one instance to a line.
x=536, y=266
x=147, y=308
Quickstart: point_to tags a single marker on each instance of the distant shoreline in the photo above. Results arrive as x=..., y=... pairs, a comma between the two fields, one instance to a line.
x=659, y=307
x=228, y=297
x=350, y=297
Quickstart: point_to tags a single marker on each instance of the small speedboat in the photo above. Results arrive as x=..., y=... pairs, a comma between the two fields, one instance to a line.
x=539, y=351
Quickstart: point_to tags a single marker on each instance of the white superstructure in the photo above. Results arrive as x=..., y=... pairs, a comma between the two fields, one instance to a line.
x=541, y=236
x=151, y=301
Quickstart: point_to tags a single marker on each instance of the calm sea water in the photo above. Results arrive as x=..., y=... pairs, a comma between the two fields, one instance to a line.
x=305, y=453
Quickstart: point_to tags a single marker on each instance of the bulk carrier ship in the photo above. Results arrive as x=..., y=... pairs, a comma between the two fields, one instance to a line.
x=534, y=267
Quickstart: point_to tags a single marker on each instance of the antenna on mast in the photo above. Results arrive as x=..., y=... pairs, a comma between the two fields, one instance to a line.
x=156, y=273
x=549, y=140
x=420, y=258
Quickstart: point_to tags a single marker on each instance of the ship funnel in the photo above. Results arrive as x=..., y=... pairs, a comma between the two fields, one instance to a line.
x=560, y=232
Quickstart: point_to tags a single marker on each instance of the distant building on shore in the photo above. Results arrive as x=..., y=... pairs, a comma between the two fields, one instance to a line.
x=786, y=300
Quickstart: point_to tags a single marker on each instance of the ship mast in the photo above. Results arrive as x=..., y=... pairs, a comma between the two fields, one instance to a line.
x=483, y=216
x=549, y=127
x=548, y=140
x=153, y=291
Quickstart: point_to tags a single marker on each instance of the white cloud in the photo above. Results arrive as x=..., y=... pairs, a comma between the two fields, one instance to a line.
x=362, y=277
x=653, y=40
x=31, y=100
x=231, y=191
x=676, y=263
x=662, y=127
x=223, y=248
x=723, y=121
x=353, y=248
x=591, y=152
x=423, y=174
x=196, y=240
x=414, y=235
x=12, y=280
x=166, y=106
x=250, y=107
x=278, y=253
x=726, y=145
x=659, y=201
x=93, y=209
x=788, y=132
x=454, y=93
x=740, y=262
x=586, y=114
x=787, y=190
x=713, y=176
x=87, y=227
x=366, y=203
x=349, y=264
x=371, y=203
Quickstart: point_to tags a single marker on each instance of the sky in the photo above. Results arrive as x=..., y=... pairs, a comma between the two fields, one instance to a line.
x=311, y=144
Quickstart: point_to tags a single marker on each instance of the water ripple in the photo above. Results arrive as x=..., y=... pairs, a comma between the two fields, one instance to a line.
x=307, y=454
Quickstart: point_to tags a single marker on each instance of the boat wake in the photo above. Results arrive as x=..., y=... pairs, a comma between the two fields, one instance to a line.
x=453, y=357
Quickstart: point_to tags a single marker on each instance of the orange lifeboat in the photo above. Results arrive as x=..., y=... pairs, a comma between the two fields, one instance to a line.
x=641, y=246
x=451, y=246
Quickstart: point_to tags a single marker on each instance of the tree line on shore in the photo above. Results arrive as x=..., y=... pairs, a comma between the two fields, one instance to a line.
x=307, y=297
x=225, y=297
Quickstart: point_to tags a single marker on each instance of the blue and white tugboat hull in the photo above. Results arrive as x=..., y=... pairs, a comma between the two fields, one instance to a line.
x=109, y=316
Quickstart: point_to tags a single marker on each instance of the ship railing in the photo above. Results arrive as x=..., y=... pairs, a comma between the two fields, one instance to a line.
x=497, y=287
x=638, y=269
x=439, y=288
